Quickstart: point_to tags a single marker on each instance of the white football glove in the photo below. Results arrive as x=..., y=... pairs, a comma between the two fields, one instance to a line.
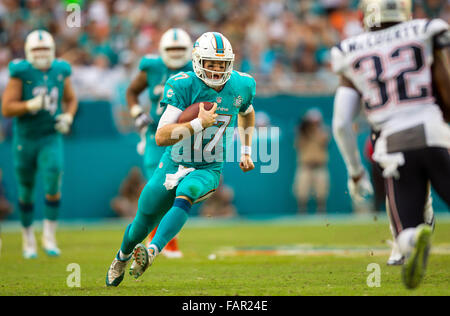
x=141, y=145
x=39, y=102
x=360, y=190
x=63, y=123
x=141, y=119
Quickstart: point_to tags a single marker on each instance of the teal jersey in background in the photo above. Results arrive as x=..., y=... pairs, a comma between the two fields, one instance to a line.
x=157, y=75
x=206, y=148
x=34, y=82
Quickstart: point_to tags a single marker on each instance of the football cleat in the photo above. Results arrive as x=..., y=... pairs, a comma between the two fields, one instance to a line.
x=29, y=249
x=50, y=247
x=116, y=271
x=142, y=259
x=396, y=258
x=416, y=261
x=29, y=253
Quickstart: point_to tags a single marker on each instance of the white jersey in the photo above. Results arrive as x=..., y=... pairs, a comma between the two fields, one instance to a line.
x=391, y=69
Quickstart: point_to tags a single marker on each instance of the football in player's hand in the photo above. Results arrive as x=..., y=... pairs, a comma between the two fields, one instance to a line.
x=191, y=112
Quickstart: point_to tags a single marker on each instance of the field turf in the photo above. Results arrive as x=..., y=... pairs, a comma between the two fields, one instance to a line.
x=93, y=246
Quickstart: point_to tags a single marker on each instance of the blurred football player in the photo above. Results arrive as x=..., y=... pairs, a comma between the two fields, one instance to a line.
x=175, y=49
x=37, y=88
x=396, y=72
x=178, y=183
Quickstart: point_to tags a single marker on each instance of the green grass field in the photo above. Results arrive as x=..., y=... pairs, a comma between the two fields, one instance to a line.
x=93, y=247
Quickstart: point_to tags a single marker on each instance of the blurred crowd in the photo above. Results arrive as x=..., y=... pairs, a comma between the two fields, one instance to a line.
x=283, y=43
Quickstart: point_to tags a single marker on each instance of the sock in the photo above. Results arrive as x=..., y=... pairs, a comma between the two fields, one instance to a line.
x=26, y=213
x=49, y=230
x=134, y=234
x=51, y=209
x=406, y=240
x=172, y=223
x=122, y=256
x=153, y=249
x=28, y=237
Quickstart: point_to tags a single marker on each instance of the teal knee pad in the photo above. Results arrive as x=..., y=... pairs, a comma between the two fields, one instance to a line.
x=192, y=188
x=52, y=181
x=26, y=194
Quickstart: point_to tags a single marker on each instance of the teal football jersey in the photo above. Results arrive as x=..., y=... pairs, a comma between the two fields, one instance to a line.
x=208, y=149
x=34, y=82
x=157, y=75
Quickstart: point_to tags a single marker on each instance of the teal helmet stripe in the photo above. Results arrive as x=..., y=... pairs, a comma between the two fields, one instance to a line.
x=219, y=43
x=175, y=34
x=40, y=35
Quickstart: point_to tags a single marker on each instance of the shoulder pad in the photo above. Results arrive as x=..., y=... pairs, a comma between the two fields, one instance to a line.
x=64, y=66
x=435, y=26
x=149, y=61
x=337, y=59
x=181, y=80
x=17, y=67
x=245, y=79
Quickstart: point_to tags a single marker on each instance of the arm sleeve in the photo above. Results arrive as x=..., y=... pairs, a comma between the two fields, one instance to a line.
x=346, y=108
x=170, y=116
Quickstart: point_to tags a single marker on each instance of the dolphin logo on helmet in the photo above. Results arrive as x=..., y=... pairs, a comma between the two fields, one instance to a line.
x=40, y=49
x=212, y=46
x=172, y=39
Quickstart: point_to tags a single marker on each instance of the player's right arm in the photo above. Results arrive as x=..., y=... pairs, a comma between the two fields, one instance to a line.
x=346, y=109
x=176, y=100
x=441, y=66
x=137, y=86
x=12, y=104
x=170, y=132
x=347, y=105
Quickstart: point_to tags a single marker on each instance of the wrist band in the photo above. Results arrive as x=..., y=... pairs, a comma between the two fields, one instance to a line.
x=197, y=125
x=246, y=150
x=135, y=110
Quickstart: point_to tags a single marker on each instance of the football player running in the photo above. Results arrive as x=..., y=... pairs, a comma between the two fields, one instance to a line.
x=175, y=48
x=35, y=94
x=396, y=72
x=182, y=178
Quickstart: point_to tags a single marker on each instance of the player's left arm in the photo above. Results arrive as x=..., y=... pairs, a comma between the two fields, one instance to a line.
x=70, y=100
x=246, y=123
x=70, y=106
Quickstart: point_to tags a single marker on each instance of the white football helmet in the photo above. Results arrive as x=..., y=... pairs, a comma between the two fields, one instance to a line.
x=212, y=46
x=40, y=49
x=384, y=11
x=175, y=38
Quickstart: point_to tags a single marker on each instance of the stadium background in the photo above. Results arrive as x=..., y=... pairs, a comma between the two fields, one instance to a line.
x=283, y=44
